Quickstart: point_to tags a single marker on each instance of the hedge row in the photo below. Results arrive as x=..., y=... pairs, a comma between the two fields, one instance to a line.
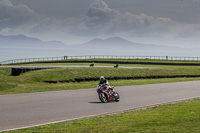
x=132, y=62
x=18, y=71
x=123, y=78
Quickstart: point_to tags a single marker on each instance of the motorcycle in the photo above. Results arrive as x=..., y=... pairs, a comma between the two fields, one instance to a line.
x=106, y=95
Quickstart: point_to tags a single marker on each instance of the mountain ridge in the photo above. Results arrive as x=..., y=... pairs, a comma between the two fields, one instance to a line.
x=112, y=43
x=24, y=41
x=118, y=43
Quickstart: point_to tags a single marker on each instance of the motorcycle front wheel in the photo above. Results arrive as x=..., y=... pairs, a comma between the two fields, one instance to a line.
x=117, y=97
x=103, y=98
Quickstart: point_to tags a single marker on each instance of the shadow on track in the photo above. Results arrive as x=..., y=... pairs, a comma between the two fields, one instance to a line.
x=95, y=102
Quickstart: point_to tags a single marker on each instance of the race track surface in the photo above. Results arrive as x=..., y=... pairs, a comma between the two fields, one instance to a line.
x=33, y=109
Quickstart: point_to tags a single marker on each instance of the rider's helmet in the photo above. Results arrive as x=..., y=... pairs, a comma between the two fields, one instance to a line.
x=102, y=78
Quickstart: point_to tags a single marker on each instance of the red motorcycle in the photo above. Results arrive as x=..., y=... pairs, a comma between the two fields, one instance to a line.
x=106, y=95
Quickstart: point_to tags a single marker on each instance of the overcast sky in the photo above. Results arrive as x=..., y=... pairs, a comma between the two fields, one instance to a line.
x=162, y=22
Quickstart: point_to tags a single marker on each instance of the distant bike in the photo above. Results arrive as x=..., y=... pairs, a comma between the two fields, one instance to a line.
x=106, y=95
x=116, y=66
x=92, y=64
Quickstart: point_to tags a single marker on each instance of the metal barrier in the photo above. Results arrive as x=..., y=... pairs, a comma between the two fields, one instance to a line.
x=26, y=60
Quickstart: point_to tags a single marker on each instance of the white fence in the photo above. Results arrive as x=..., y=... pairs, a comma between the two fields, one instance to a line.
x=26, y=60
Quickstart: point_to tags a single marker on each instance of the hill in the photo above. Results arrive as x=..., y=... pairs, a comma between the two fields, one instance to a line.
x=118, y=43
x=24, y=41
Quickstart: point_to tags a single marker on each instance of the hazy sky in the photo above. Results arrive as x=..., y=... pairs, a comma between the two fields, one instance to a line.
x=163, y=22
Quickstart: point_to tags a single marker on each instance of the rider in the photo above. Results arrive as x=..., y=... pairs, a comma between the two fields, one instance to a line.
x=106, y=84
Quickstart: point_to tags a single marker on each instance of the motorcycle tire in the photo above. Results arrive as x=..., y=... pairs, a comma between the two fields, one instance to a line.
x=103, y=98
x=117, y=97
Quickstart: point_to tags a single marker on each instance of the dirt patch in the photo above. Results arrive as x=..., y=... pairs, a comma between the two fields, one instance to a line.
x=73, y=71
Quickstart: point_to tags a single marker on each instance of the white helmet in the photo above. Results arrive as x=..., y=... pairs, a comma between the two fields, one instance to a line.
x=102, y=78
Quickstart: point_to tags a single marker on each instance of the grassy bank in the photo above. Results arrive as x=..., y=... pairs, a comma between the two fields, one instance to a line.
x=34, y=81
x=178, y=118
x=21, y=87
x=60, y=74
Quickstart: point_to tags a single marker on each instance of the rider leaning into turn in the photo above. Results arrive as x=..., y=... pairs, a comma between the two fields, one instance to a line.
x=105, y=82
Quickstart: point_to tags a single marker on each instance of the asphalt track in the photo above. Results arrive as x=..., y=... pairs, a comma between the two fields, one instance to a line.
x=34, y=109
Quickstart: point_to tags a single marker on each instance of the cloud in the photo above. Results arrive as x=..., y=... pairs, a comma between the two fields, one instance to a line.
x=99, y=13
x=13, y=16
x=20, y=19
x=102, y=20
x=99, y=21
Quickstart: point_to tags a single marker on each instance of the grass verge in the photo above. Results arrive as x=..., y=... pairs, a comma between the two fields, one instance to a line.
x=34, y=81
x=15, y=88
x=178, y=118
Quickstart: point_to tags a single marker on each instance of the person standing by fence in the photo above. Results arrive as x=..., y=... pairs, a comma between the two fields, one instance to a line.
x=65, y=57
